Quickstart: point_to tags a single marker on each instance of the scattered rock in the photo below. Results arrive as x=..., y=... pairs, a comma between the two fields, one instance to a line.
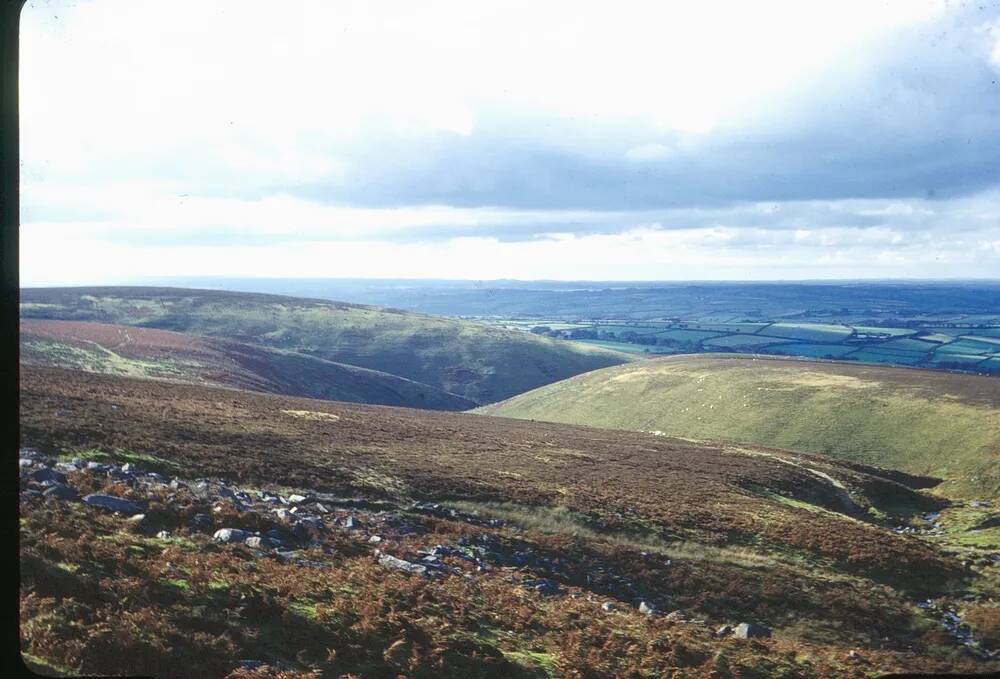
x=262, y=542
x=137, y=519
x=46, y=474
x=229, y=535
x=724, y=631
x=61, y=492
x=544, y=586
x=250, y=664
x=676, y=616
x=375, y=539
x=389, y=561
x=115, y=504
x=747, y=630
x=608, y=606
x=647, y=608
x=295, y=498
x=163, y=535
x=25, y=462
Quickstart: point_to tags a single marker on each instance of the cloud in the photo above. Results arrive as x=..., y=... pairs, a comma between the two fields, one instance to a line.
x=328, y=132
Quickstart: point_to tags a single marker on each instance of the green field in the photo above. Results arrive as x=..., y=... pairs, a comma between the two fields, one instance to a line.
x=809, y=332
x=924, y=422
x=625, y=347
x=919, y=346
x=813, y=350
x=736, y=341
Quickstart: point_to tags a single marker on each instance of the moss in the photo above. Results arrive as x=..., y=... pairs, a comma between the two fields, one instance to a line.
x=533, y=660
x=44, y=667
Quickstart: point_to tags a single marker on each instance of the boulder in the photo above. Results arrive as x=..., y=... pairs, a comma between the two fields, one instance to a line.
x=647, y=608
x=375, y=539
x=389, y=561
x=61, y=492
x=295, y=498
x=607, y=606
x=25, y=462
x=747, y=630
x=229, y=535
x=262, y=542
x=163, y=535
x=46, y=474
x=115, y=504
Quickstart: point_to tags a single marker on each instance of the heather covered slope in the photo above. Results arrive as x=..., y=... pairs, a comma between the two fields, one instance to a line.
x=524, y=530
x=470, y=360
x=162, y=354
x=925, y=422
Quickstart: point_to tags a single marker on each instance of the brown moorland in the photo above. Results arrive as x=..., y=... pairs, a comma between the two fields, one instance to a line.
x=722, y=533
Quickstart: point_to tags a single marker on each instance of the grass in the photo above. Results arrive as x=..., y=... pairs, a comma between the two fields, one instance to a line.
x=943, y=425
x=145, y=461
x=467, y=359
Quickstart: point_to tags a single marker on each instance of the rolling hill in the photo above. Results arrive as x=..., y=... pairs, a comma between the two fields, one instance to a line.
x=383, y=541
x=921, y=421
x=162, y=354
x=473, y=361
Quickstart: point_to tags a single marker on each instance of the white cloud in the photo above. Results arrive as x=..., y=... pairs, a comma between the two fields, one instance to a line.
x=168, y=138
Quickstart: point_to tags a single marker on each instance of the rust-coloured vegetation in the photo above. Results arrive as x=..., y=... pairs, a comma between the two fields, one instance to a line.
x=721, y=534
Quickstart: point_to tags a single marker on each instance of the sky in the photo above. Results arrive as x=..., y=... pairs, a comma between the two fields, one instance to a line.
x=761, y=140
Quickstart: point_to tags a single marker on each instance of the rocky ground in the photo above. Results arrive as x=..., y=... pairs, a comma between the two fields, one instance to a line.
x=311, y=530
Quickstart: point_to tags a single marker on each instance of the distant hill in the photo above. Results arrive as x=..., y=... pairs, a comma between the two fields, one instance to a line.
x=162, y=354
x=479, y=363
x=925, y=422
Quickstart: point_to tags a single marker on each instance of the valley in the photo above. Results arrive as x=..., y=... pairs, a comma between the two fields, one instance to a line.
x=216, y=479
x=465, y=359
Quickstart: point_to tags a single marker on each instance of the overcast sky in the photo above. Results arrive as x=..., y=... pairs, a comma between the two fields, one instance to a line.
x=557, y=140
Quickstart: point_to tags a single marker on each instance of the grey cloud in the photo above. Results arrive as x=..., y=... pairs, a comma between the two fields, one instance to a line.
x=918, y=117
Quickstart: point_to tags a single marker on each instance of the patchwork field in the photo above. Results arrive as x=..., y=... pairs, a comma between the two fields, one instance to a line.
x=471, y=361
x=533, y=549
x=162, y=354
x=941, y=424
x=968, y=348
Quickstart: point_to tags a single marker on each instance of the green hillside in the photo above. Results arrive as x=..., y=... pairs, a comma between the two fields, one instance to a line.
x=479, y=363
x=161, y=354
x=925, y=422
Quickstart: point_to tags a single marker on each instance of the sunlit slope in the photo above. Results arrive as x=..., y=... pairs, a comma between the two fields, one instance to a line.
x=162, y=354
x=926, y=422
x=471, y=360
